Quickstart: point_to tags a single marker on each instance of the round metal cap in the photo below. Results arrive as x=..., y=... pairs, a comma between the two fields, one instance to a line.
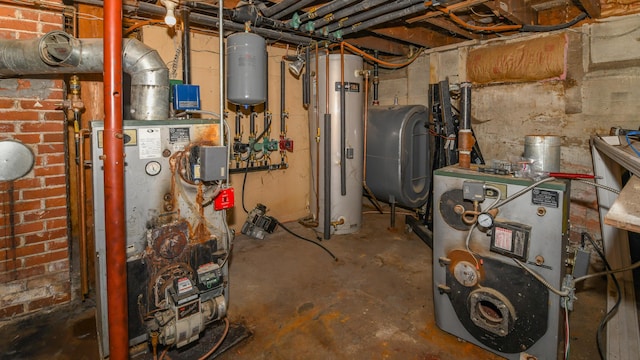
x=16, y=160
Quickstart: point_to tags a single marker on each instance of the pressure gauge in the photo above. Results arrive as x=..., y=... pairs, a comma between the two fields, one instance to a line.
x=465, y=273
x=485, y=220
x=153, y=168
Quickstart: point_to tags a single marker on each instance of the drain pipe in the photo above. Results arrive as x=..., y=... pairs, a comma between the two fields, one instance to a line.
x=113, y=159
x=343, y=126
x=327, y=156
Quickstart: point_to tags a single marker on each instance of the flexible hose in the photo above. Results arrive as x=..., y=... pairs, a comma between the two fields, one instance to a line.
x=217, y=345
x=307, y=240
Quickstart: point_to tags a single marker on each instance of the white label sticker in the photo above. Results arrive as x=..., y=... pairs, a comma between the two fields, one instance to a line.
x=503, y=238
x=150, y=143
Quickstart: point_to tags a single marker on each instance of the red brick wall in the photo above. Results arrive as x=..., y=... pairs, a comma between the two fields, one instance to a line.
x=34, y=245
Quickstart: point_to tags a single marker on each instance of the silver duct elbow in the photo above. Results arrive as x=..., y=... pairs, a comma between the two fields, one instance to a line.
x=59, y=53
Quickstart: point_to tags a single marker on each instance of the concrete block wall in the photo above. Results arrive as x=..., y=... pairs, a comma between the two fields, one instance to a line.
x=34, y=245
x=600, y=91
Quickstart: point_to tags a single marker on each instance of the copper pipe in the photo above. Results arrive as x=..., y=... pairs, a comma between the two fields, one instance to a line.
x=114, y=184
x=84, y=278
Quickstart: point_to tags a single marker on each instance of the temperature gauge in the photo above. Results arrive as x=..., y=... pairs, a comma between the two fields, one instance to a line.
x=152, y=168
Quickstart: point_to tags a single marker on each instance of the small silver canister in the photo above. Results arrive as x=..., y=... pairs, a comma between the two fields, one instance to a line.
x=543, y=151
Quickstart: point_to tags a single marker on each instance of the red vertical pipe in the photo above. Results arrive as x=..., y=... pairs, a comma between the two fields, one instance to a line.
x=114, y=183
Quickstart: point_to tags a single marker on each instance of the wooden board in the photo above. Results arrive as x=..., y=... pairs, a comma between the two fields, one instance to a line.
x=625, y=211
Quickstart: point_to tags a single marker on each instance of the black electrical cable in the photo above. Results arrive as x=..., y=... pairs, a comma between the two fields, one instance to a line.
x=613, y=310
x=545, y=28
x=246, y=169
x=305, y=239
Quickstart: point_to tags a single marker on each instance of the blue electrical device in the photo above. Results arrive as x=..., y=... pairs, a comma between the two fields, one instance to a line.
x=186, y=97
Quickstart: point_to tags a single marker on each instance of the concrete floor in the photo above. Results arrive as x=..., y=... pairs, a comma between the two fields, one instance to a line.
x=374, y=303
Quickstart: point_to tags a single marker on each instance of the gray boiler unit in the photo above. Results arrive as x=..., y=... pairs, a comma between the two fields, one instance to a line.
x=481, y=293
x=178, y=242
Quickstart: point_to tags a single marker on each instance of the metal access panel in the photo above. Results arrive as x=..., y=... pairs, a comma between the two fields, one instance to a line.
x=481, y=294
x=176, y=247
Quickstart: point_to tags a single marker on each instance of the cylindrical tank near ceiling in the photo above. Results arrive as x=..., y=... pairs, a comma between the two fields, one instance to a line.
x=345, y=209
x=246, y=69
x=398, y=160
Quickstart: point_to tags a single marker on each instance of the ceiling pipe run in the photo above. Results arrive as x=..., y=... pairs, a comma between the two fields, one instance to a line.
x=344, y=13
x=386, y=18
x=320, y=12
x=207, y=21
x=59, y=53
x=380, y=10
x=288, y=10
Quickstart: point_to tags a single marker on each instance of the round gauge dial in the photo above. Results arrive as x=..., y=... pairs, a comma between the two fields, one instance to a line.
x=485, y=220
x=153, y=168
x=465, y=273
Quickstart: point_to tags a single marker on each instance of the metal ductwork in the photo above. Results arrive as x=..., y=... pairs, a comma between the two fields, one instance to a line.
x=59, y=53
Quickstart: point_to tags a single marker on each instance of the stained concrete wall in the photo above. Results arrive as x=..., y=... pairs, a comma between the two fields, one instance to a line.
x=600, y=91
x=284, y=192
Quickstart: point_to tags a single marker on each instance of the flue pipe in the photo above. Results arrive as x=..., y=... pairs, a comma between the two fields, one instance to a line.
x=113, y=159
x=59, y=53
x=465, y=135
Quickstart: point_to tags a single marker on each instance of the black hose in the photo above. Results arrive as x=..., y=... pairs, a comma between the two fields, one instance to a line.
x=613, y=309
x=246, y=169
x=545, y=28
x=308, y=240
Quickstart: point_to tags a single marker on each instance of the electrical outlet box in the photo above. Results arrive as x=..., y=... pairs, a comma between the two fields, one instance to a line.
x=213, y=163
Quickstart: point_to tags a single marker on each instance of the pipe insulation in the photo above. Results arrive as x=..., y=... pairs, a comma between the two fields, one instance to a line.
x=207, y=21
x=297, y=5
x=385, y=18
x=345, y=13
x=59, y=53
x=324, y=10
x=380, y=10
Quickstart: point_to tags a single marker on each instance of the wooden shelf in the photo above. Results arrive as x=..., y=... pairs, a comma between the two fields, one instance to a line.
x=625, y=211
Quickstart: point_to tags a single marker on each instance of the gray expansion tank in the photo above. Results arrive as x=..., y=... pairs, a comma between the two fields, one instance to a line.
x=398, y=157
